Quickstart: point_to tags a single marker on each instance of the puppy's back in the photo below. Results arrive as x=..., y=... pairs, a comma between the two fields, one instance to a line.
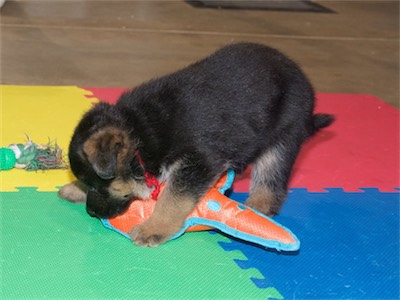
x=237, y=100
x=243, y=75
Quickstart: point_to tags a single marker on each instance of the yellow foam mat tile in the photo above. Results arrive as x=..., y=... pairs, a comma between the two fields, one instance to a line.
x=43, y=113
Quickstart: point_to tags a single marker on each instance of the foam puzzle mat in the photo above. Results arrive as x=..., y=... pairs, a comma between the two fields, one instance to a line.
x=343, y=205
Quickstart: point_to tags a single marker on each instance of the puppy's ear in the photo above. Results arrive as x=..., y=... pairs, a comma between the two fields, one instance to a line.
x=75, y=192
x=106, y=150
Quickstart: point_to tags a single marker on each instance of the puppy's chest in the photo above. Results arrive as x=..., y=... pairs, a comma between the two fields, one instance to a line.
x=167, y=171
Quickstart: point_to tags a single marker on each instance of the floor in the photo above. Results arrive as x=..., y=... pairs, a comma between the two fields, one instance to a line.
x=123, y=43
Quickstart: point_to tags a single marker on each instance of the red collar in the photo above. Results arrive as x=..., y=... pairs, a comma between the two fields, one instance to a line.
x=151, y=181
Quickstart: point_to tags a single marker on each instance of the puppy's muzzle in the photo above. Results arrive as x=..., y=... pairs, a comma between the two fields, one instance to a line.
x=103, y=207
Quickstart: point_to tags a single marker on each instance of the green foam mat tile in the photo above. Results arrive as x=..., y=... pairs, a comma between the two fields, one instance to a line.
x=52, y=249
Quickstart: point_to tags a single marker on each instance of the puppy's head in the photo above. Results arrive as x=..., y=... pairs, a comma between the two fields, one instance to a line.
x=102, y=157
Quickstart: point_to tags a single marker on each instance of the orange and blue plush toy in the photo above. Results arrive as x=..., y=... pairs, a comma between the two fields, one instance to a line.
x=216, y=211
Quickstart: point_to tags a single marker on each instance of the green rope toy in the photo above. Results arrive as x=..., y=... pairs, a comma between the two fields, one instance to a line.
x=32, y=157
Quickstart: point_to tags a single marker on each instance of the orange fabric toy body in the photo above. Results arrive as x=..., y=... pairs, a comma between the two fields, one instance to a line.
x=215, y=210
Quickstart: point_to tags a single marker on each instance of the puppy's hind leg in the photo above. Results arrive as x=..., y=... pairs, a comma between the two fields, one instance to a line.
x=269, y=178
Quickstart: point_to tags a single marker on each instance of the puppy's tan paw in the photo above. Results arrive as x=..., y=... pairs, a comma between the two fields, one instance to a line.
x=74, y=192
x=149, y=235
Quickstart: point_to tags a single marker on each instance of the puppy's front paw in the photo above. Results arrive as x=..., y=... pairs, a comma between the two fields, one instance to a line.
x=74, y=192
x=150, y=235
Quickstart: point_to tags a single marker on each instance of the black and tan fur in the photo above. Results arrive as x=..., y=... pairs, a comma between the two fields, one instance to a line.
x=245, y=104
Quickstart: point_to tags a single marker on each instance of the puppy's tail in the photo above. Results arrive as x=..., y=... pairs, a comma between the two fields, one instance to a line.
x=321, y=121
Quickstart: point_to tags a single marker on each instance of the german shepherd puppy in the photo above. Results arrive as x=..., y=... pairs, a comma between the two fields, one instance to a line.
x=245, y=104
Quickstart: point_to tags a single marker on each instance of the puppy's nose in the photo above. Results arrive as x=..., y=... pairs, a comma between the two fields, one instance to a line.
x=90, y=212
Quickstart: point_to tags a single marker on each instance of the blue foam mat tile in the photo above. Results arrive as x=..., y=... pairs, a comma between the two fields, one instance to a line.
x=261, y=283
x=227, y=246
x=243, y=264
x=349, y=246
